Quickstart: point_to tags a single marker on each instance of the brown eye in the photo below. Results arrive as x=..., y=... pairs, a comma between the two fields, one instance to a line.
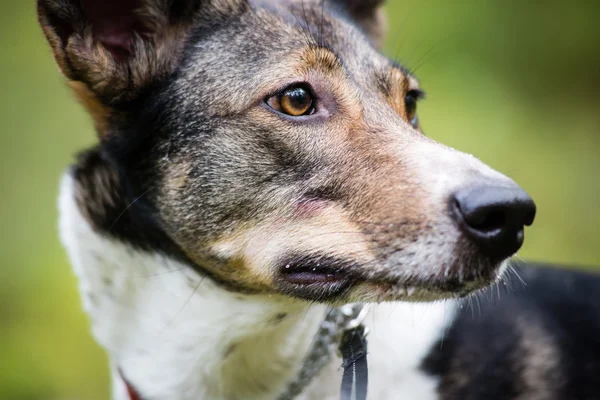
x=295, y=101
x=410, y=102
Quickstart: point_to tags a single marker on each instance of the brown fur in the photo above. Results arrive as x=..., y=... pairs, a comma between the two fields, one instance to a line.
x=539, y=361
x=99, y=112
x=204, y=169
x=194, y=165
x=155, y=44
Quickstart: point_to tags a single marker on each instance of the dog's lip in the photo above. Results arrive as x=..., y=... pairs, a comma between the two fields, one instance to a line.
x=310, y=275
x=381, y=289
x=331, y=278
x=316, y=271
x=315, y=277
x=406, y=291
x=398, y=289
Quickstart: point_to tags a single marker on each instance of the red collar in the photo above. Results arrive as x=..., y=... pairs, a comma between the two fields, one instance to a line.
x=131, y=392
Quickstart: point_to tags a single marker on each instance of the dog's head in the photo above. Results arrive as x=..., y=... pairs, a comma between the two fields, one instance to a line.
x=271, y=145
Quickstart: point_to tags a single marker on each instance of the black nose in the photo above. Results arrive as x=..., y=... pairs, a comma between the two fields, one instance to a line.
x=494, y=217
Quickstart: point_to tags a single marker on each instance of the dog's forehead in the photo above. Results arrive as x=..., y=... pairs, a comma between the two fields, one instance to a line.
x=270, y=37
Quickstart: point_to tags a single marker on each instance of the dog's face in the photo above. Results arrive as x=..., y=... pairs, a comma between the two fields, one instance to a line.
x=272, y=146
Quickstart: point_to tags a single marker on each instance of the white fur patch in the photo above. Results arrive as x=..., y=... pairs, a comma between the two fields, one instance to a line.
x=401, y=335
x=175, y=335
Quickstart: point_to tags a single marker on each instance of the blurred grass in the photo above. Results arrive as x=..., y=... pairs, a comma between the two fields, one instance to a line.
x=516, y=83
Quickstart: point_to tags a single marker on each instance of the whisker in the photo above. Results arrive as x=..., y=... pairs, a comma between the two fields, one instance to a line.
x=321, y=41
x=305, y=16
x=425, y=58
x=513, y=269
x=404, y=24
x=186, y=302
x=305, y=30
x=478, y=304
x=470, y=301
x=160, y=273
x=129, y=206
x=182, y=307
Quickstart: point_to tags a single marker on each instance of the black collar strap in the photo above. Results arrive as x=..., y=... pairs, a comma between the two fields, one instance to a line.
x=356, y=373
x=341, y=330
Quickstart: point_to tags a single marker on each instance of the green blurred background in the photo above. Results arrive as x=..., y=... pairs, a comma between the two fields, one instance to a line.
x=516, y=83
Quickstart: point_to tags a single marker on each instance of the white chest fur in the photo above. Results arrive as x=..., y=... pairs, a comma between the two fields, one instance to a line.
x=176, y=335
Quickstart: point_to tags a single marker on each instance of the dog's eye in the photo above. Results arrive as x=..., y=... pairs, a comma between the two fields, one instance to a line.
x=294, y=101
x=410, y=101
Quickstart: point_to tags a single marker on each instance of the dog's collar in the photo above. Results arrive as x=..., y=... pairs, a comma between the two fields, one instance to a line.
x=342, y=327
x=132, y=394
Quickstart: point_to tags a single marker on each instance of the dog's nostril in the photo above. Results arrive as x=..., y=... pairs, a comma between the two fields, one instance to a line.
x=486, y=220
x=530, y=215
x=494, y=217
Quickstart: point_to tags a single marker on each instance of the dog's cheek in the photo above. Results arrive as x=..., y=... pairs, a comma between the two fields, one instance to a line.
x=178, y=205
x=260, y=248
x=203, y=212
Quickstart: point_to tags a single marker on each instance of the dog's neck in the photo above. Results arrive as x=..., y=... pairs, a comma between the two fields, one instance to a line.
x=173, y=334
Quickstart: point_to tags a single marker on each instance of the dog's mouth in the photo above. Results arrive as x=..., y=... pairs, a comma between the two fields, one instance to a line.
x=312, y=275
x=315, y=277
x=418, y=291
x=330, y=279
x=308, y=269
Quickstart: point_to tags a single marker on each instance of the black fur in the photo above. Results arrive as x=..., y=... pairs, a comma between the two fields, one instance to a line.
x=188, y=156
x=481, y=356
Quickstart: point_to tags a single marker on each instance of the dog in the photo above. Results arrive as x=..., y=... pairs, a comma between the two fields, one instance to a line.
x=259, y=164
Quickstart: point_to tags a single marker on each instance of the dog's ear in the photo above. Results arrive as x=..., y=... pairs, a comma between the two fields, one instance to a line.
x=110, y=50
x=368, y=14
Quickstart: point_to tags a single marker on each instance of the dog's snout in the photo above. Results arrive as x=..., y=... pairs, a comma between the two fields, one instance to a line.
x=494, y=217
